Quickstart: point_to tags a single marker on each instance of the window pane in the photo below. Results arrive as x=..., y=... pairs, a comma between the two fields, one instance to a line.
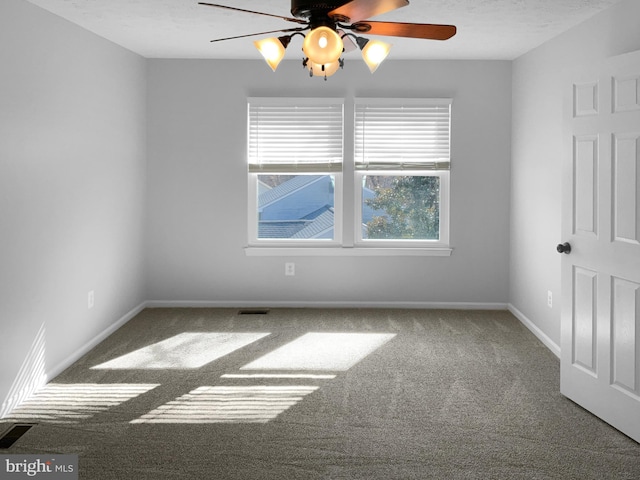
x=296, y=206
x=401, y=207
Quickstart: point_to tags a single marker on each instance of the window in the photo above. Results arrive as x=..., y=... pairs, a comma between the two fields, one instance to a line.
x=400, y=207
x=402, y=162
x=397, y=193
x=295, y=150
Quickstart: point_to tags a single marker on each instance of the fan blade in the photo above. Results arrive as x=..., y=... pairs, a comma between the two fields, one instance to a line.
x=357, y=10
x=288, y=19
x=261, y=33
x=410, y=30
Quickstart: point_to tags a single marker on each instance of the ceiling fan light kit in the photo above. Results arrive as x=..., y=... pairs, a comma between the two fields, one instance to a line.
x=373, y=52
x=322, y=45
x=326, y=22
x=324, y=70
x=272, y=49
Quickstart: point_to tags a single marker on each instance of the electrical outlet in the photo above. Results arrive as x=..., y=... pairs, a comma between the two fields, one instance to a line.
x=90, y=299
x=549, y=298
x=289, y=269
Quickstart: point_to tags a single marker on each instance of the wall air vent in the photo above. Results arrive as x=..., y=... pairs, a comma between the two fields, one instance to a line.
x=12, y=435
x=253, y=311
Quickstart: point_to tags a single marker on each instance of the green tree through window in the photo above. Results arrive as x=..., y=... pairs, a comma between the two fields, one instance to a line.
x=407, y=207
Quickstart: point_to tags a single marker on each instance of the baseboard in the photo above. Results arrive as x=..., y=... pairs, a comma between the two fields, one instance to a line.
x=70, y=360
x=321, y=304
x=31, y=377
x=543, y=337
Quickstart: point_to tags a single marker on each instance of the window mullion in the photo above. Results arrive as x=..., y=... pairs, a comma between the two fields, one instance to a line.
x=349, y=190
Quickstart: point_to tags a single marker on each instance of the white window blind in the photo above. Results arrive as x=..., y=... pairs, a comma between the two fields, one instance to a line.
x=295, y=135
x=402, y=134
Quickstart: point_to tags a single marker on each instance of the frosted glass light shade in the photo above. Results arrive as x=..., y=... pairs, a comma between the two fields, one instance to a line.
x=272, y=50
x=322, y=45
x=318, y=71
x=374, y=53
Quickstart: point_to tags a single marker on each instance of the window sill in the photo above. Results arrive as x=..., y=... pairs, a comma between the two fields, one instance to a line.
x=347, y=252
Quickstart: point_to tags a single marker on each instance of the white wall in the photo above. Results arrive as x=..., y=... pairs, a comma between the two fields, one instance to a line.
x=538, y=79
x=72, y=186
x=197, y=187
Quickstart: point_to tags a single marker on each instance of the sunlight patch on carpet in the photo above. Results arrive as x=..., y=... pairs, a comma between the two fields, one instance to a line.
x=248, y=404
x=72, y=403
x=184, y=351
x=322, y=351
x=311, y=376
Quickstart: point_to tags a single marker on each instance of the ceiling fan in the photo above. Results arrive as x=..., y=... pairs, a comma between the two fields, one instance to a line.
x=331, y=25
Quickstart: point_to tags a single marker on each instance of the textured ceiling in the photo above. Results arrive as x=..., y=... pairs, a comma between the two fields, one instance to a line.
x=487, y=29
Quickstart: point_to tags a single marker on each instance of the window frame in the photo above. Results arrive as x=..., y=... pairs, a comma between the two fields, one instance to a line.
x=255, y=241
x=347, y=239
x=255, y=170
x=443, y=233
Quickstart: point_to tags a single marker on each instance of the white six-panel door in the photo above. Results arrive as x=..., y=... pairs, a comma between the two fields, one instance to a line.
x=600, y=360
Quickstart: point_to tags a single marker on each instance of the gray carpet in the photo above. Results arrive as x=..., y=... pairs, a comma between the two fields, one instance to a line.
x=454, y=394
